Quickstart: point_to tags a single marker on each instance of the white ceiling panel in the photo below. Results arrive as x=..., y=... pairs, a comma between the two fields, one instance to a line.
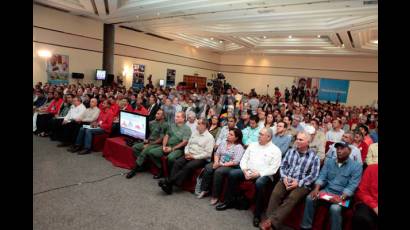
x=246, y=26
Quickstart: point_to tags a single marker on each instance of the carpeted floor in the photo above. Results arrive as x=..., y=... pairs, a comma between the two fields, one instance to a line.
x=115, y=202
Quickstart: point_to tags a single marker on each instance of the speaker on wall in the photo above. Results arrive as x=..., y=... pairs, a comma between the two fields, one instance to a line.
x=77, y=75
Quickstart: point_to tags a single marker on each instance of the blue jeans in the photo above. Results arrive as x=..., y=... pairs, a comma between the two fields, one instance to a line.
x=85, y=136
x=335, y=212
x=235, y=176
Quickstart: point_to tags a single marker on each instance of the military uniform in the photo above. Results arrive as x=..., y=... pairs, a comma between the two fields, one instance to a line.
x=157, y=130
x=176, y=134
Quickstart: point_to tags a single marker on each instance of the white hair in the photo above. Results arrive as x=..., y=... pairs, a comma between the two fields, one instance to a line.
x=309, y=137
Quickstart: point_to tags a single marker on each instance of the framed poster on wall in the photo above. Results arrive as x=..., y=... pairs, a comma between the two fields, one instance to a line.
x=333, y=90
x=138, y=75
x=170, y=78
x=57, y=69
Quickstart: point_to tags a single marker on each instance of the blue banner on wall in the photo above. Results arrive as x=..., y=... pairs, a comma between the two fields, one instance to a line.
x=333, y=90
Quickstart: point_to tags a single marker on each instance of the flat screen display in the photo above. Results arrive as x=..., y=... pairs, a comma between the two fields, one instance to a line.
x=100, y=74
x=133, y=125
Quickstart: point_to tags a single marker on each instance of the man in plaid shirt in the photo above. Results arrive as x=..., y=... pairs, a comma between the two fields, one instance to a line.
x=298, y=170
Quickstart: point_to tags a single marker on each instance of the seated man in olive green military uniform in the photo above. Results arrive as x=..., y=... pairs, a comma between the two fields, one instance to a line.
x=158, y=128
x=173, y=143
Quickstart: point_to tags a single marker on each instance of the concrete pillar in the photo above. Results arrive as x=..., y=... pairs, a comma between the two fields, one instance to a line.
x=108, y=49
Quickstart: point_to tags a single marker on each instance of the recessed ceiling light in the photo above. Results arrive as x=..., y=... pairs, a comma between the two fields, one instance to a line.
x=290, y=37
x=264, y=37
x=220, y=41
x=318, y=36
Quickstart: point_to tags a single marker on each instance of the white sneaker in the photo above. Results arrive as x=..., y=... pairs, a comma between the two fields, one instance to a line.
x=201, y=194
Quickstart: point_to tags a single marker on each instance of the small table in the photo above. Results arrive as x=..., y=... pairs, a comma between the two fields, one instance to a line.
x=119, y=153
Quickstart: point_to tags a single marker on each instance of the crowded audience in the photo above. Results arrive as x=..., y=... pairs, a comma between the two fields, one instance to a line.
x=303, y=147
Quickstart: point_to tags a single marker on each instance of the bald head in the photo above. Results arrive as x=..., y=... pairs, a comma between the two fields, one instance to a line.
x=93, y=102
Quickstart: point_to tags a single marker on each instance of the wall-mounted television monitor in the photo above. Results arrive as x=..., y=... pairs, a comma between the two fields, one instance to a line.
x=100, y=74
x=133, y=125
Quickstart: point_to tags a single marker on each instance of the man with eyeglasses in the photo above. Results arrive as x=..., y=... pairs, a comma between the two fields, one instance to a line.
x=259, y=163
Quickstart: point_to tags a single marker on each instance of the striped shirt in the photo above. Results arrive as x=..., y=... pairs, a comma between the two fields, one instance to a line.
x=302, y=167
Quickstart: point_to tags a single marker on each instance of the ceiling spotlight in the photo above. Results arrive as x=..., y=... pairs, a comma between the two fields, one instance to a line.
x=264, y=37
x=220, y=41
x=290, y=37
x=212, y=38
x=318, y=36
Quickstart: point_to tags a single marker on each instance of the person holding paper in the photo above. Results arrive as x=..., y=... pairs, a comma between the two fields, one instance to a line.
x=299, y=169
x=339, y=178
x=103, y=124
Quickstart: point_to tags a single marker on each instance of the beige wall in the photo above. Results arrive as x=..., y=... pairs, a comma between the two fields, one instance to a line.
x=81, y=39
x=281, y=70
x=159, y=55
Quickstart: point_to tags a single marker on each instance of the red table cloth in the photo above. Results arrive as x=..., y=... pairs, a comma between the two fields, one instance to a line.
x=119, y=153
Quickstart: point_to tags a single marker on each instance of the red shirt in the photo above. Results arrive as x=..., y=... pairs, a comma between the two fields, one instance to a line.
x=105, y=120
x=353, y=121
x=100, y=106
x=367, y=192
x=368, y=140
x=142, y=110
x=363, y=150
x=55, y=106
x=115, y=109
x=128, y=108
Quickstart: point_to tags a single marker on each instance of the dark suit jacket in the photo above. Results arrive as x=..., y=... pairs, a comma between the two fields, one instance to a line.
x=153, y=112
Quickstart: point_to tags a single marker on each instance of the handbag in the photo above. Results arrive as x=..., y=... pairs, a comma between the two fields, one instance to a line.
x=198, y=183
